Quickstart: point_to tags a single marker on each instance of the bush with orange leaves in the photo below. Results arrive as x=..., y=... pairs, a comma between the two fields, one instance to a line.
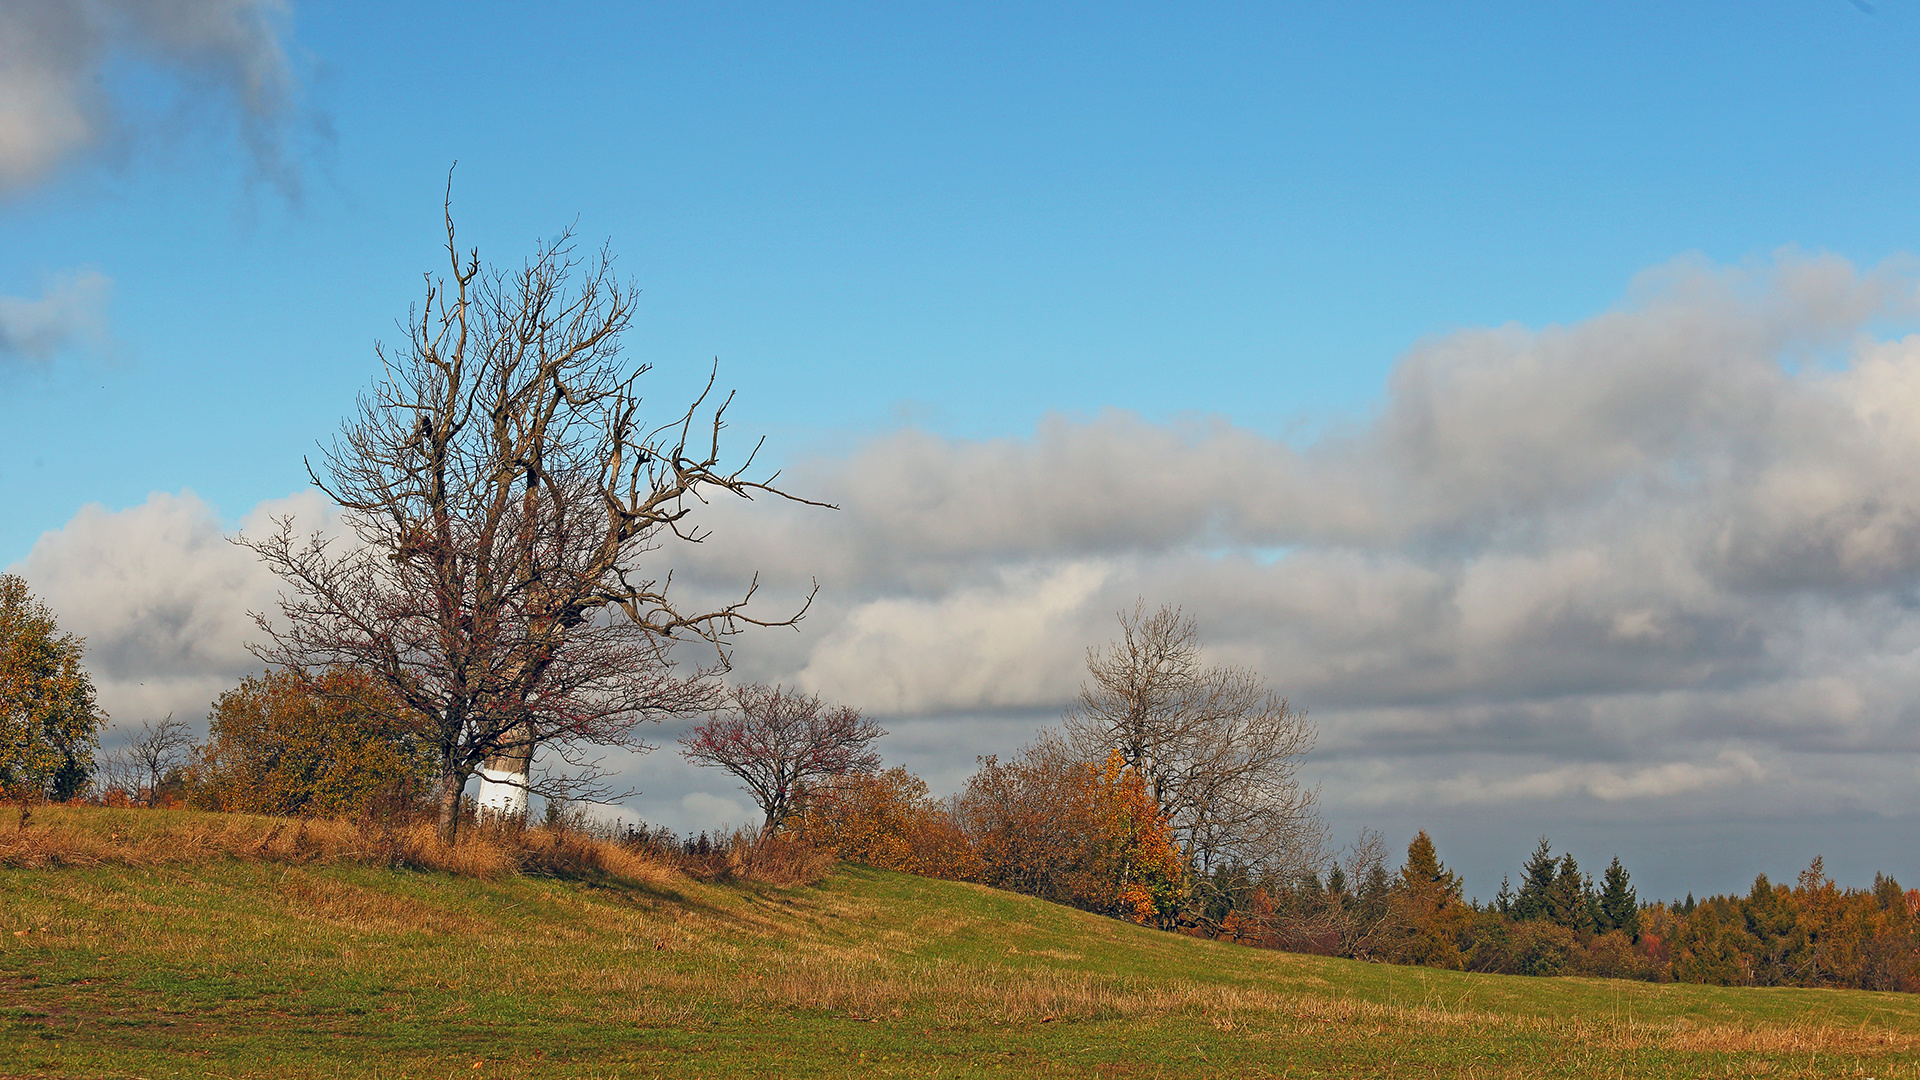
x=289, y=742
x=888, y=821
x=1054, y=826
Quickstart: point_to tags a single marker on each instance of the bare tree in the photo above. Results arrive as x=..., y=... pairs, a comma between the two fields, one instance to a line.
x=158, y=750
x=781, y=743
x=1218, y=751
x=1365, y=921
x=503, y=493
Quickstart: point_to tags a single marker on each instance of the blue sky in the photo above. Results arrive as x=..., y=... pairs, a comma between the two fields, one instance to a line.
x=951, y=223
x=961, y=216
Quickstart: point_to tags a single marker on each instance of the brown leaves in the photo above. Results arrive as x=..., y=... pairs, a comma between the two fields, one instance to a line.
x=282, y=743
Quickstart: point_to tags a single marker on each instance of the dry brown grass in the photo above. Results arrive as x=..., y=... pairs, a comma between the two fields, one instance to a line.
x=54, y=837
x=1690, y=1035
x=1804, y=1038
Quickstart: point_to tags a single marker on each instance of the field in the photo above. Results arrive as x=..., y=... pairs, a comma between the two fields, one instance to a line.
x=185, y=961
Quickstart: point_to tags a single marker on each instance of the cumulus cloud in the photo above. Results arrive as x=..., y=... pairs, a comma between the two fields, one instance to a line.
x=70, y=311
x=162, y=598
x=701, y=806
x=1590, y=557
x=54, y=98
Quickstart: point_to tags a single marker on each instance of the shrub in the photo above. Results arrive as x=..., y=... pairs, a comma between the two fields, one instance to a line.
x=289, y=743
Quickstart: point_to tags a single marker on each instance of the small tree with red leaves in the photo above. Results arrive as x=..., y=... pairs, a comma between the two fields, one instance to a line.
x=781, y=743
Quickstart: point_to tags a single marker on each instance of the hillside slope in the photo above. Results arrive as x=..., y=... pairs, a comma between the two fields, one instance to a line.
x=237, y=967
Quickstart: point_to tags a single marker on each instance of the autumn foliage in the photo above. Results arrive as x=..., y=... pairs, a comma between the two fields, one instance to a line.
x=49, y=723
x=889, y=821
x=1075, y=832
x=1561, y=922
x=289, y=743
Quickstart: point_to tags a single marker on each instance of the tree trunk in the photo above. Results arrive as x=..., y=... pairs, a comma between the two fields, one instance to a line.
x=505, y=776
x=450, y=783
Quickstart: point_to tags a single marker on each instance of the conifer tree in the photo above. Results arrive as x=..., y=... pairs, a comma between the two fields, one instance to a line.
x=1427, y=897
x=1536, y=884
x=1336, y=881
x=1619, y=907
x=1568, y=897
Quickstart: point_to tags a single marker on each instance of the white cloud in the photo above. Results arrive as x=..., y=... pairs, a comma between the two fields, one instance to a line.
x=1010, y=643
x=162, y=598
x=53, y=101
x=1590, y=554
x=1606, y=783
x=712, y=812
x=71, y=311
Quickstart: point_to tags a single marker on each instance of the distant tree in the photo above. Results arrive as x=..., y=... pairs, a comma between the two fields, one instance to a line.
x=1336, y=883
x=1535, y=900
x=1427, y=897
x=1777, y=941
x=286, y=743
x=141, y=768
x=505, y=496
x=888, y=820
x=781, y=744
x=1503, y=900
x=49, y=721
x=1570, y=901
x=1366, y=922
x=1216, y=750
x=1619, y=907
x=1052, y=825
x=1027, y=819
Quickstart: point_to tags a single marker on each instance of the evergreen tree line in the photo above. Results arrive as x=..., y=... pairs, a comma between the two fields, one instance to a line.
x=1559, y=921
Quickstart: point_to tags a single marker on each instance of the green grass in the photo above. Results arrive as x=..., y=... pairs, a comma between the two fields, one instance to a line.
x=234, y=967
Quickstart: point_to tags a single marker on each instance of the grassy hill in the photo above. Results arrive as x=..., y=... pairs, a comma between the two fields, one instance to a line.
x=208, y=962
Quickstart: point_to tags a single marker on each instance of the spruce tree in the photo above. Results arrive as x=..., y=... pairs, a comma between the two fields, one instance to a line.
x=1536, y=884
x=1619, y=907
x=1567, y=897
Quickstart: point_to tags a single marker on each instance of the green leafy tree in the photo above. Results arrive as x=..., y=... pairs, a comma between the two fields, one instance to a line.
x=49, y=721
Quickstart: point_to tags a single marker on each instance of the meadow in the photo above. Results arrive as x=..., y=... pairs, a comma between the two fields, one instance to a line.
x=141, y=943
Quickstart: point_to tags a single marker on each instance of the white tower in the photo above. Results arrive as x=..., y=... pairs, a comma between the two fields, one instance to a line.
x=503, y=779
